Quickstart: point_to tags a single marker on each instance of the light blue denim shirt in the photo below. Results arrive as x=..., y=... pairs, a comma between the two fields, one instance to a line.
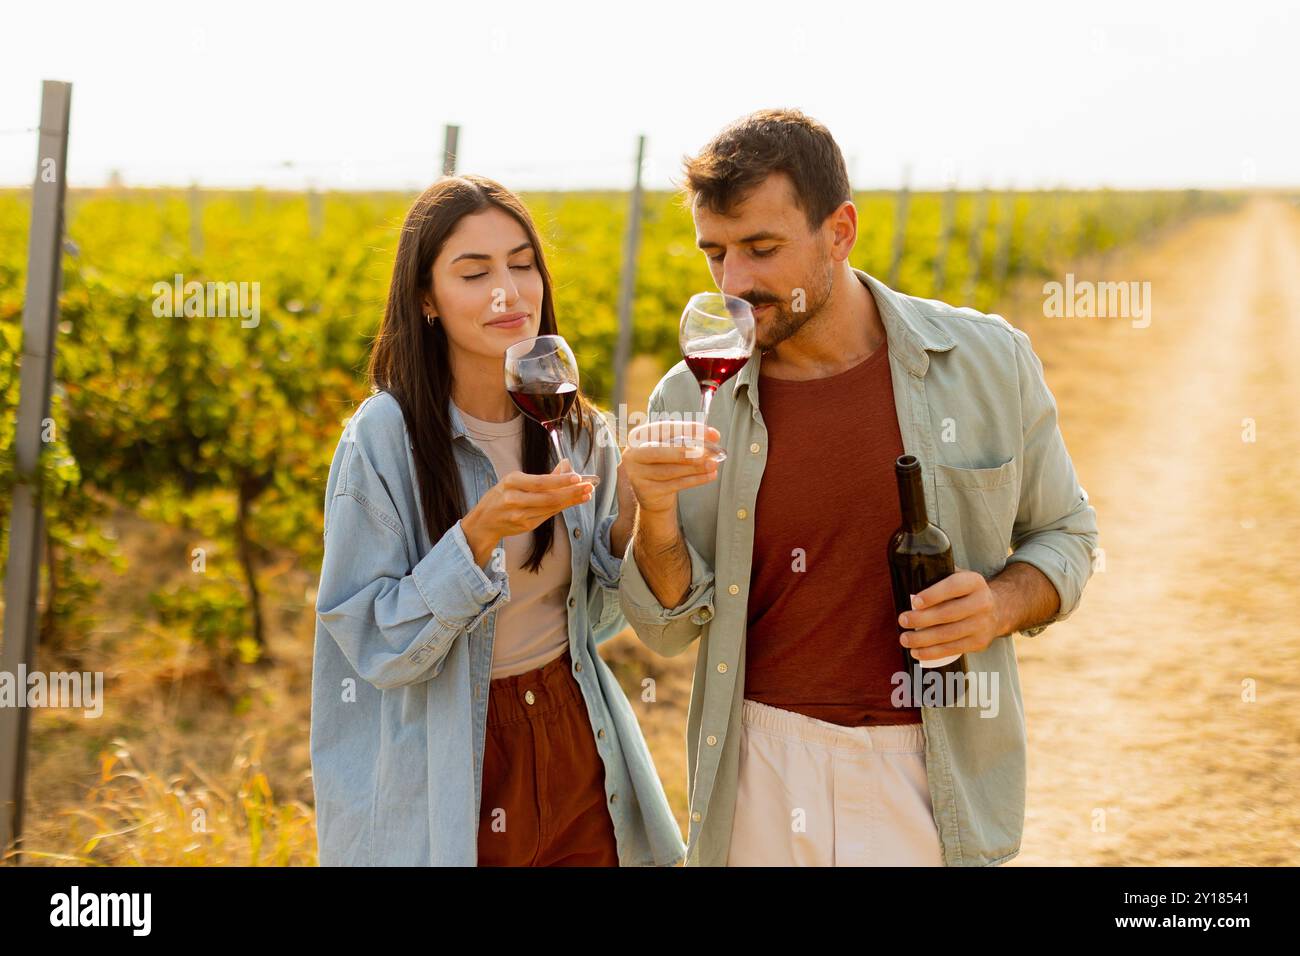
x=403, y=659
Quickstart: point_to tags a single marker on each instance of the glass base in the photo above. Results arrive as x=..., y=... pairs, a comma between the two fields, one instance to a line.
x=939, y=662
x=714, y=450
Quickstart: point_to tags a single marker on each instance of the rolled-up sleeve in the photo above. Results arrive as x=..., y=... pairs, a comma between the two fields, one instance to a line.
x=395, y=624
x=605, y=564
x=1055, y=528
x=606, y=572
x=667, y=631
x=603, y=606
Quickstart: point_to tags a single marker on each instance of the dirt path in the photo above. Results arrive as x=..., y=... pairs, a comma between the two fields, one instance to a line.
x=1143, y=750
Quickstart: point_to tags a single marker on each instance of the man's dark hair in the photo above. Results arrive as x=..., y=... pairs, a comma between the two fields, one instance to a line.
x=767, y=141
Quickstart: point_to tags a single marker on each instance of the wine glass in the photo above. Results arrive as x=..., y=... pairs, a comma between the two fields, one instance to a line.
x=542, y=379
x=717, y=339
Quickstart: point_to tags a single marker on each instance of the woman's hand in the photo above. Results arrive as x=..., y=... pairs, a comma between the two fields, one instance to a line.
x=519, y=502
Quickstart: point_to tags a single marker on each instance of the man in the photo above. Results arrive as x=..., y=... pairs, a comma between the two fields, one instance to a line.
x=798, y=749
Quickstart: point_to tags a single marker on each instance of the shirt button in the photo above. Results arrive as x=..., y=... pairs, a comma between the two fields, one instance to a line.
x=734, y=589
x=601, y=733
x=577, y=666
x=577, y=532
x=713, y=741
x=696, y=816
x=572, y=602
x=530, y=697
x=741, y=514
x=722, y=667
x=613, y=798
x=754, y=448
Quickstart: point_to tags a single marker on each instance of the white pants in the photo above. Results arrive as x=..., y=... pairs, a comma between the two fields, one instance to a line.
x=813, y=793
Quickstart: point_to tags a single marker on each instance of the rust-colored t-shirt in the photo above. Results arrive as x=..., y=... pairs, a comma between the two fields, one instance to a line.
x=823, y=634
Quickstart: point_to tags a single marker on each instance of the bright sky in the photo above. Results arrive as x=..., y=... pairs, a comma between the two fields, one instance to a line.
x=1125, y=94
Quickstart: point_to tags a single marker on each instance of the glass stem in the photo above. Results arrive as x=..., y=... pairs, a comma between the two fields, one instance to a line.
x=706, y=399
x=555, y=440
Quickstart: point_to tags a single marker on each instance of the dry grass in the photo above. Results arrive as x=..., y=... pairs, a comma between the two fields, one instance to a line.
x=137, y=816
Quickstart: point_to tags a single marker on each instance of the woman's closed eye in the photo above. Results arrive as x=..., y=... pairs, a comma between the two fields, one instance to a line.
x=479, y=275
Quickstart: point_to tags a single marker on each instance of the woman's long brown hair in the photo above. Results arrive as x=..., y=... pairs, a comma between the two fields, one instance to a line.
x=410, y=357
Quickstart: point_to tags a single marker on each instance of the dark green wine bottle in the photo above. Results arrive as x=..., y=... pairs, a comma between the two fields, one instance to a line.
x=919, y=555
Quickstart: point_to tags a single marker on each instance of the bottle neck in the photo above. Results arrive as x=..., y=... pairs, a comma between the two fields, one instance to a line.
x=911, y=498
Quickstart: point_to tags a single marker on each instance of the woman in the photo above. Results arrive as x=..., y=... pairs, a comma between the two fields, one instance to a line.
x=460, y=712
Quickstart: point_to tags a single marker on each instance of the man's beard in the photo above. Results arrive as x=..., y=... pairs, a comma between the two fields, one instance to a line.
x=785, y=321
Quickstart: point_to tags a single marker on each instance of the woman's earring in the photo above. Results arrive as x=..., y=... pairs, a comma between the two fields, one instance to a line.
x=431, y=319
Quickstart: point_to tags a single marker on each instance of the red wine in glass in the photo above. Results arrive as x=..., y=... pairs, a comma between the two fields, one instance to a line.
x=712, y=368
x=542, y=379
x=547, y=403
x=717, y=339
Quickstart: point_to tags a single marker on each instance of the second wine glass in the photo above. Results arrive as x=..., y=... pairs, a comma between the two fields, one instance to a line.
x=717, y=339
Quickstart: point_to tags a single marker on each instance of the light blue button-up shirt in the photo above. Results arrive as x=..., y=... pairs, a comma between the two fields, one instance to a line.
x=403, y=659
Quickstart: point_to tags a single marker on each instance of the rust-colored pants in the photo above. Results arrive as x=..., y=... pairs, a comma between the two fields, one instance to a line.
x=543, y=780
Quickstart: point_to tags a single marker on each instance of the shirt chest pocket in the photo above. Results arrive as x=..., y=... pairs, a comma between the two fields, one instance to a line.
x=977, y=508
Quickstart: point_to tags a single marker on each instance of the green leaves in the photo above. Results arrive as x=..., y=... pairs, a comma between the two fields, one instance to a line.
x=182, y=413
